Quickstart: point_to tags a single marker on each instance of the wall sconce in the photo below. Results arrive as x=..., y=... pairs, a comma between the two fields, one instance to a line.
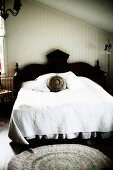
x=4, y=12
x=107, y=48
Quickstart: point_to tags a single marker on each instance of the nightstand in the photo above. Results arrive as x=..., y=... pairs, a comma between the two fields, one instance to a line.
x=5, y=93
x=5, y=105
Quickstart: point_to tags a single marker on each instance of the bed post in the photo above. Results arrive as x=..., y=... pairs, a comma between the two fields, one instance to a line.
x=16, y=80
x=101, y=76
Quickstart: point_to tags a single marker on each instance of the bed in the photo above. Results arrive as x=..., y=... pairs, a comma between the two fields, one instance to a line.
x=80, y=105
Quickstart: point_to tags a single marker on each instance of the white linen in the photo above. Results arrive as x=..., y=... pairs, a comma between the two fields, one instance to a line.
x=41, y=82
x=85, y=109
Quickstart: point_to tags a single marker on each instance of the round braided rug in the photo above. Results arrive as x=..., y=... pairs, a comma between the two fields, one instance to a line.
x=61, y=157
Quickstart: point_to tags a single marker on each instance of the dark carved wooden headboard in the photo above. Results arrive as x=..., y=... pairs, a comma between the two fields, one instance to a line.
x=57, y=63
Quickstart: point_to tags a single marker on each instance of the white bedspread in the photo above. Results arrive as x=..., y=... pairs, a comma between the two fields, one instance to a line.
x=88, y=109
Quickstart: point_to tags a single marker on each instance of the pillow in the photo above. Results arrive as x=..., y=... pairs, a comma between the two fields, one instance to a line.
x=56, y=83
x=73, y=81
x=29, y=85
x=41, y=82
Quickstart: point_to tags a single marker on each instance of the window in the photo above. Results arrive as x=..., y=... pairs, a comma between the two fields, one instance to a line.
x=2, y=40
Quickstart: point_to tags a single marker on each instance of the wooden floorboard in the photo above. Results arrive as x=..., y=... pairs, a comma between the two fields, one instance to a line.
x=9, y=149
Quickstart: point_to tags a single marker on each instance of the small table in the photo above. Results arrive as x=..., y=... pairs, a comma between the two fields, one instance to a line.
x=5, y=93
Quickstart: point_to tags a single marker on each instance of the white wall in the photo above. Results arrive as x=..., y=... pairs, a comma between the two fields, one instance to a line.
x=37, y=30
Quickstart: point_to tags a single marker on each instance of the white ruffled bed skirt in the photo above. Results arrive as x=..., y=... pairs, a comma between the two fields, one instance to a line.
x=83, y=135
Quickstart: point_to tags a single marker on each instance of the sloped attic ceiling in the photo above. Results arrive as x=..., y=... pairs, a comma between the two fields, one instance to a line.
x=95, y=12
